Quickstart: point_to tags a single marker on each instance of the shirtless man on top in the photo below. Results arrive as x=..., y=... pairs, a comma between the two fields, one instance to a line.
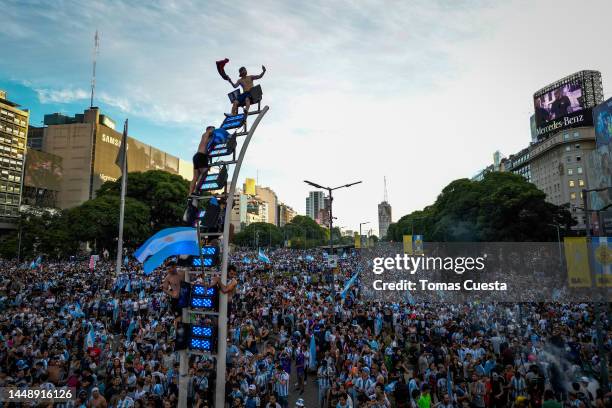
x=172, y=287
x=246, y=82
x=200, y=159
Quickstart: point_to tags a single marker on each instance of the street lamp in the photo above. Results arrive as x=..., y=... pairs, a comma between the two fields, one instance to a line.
x=360, y=224
x=331, y=200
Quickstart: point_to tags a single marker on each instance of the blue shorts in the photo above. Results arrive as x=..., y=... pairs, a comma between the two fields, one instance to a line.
x=242, y=97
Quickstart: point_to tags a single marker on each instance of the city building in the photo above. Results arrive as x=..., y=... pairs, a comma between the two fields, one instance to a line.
x=35, y=137
x=558, y=158
x=559, y=168
x=88, y=144
x=518, y=163
x=314, y=203
x=238, y=217
x=42, y=180
x=267, y=195
x=285, y=214
x=384, y=214
x=13, y=136
x=323, y=217
x=384, y=218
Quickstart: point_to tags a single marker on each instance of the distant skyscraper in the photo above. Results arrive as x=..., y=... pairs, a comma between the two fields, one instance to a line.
x=384, y=215
x=13, y=136
x=314, y=203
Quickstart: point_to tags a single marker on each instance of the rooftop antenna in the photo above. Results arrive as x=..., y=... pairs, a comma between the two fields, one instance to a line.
x=96, y=51
x=386, y=198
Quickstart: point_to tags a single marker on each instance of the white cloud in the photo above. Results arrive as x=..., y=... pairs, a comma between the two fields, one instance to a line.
x=61, y=95
x=419, y=91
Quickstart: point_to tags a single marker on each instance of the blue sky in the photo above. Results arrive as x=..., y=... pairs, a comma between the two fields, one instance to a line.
x=422, y=92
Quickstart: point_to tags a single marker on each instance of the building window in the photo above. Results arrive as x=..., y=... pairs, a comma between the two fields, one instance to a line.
x=570, y=172
x=566, y=136
x=581, y=183
x=579, y=170
x=569, y=159
x=576, y=135
x=577, y=145
x=577, y=158
x=573, y=196
x=572, y=183
x=568, y=148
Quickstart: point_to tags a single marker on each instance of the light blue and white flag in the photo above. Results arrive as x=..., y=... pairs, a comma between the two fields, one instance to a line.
x=309, y=258
x=410, y=298
x=128, y=287
x=141, y=295
x=263, y=257
x=246, y=260
x=168, y=242
x=130, y=329
x=348, y=285
x=90, y=339
x=313, y=352
x=115, y=310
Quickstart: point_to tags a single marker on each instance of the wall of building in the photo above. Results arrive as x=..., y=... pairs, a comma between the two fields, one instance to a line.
x=559, y=168
x=13, y=139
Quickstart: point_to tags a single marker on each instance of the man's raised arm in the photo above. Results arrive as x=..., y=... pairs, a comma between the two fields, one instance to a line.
x=263, y=71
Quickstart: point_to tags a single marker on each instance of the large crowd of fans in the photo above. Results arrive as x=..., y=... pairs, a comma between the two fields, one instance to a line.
x=294, y=339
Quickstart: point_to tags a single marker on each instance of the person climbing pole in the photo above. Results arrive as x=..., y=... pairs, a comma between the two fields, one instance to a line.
x=200, y=159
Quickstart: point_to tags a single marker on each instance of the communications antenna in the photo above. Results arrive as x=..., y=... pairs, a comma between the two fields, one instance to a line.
x=96, y=51
x=386, y=198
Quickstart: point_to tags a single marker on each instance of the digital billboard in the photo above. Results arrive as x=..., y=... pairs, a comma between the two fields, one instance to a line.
x=560, y=108
x=557, y=103
x=600, y=163
x=43, y=170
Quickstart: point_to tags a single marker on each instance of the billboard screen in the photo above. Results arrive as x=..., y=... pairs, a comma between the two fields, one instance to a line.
x=600, y=163
x=560, y=102
x=43, y=170
x=560, y=108
x=139, y=156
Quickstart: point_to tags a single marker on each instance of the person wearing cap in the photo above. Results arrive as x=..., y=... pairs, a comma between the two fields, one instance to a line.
x=299, y=403
x=252, y=400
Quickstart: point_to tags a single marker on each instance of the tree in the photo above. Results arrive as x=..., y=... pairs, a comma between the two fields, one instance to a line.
x=259, y=234
x=304, y=232
x=42, y=233
x=162, y=192
x=96, y=221
x=501, y=207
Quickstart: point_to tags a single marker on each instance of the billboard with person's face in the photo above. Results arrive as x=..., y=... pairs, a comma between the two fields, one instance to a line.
x=558, y=103
x=560, y=108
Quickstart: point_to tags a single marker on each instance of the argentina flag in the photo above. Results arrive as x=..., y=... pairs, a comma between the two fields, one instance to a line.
x=263, y=257
x=166, y=243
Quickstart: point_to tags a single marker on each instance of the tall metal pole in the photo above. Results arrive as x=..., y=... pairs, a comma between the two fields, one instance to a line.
x=183, y=380
x=222, y=339
x=123, y=152
x=93, y=74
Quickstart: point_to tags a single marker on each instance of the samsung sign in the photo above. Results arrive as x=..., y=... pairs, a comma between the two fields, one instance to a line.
x=581, y=118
